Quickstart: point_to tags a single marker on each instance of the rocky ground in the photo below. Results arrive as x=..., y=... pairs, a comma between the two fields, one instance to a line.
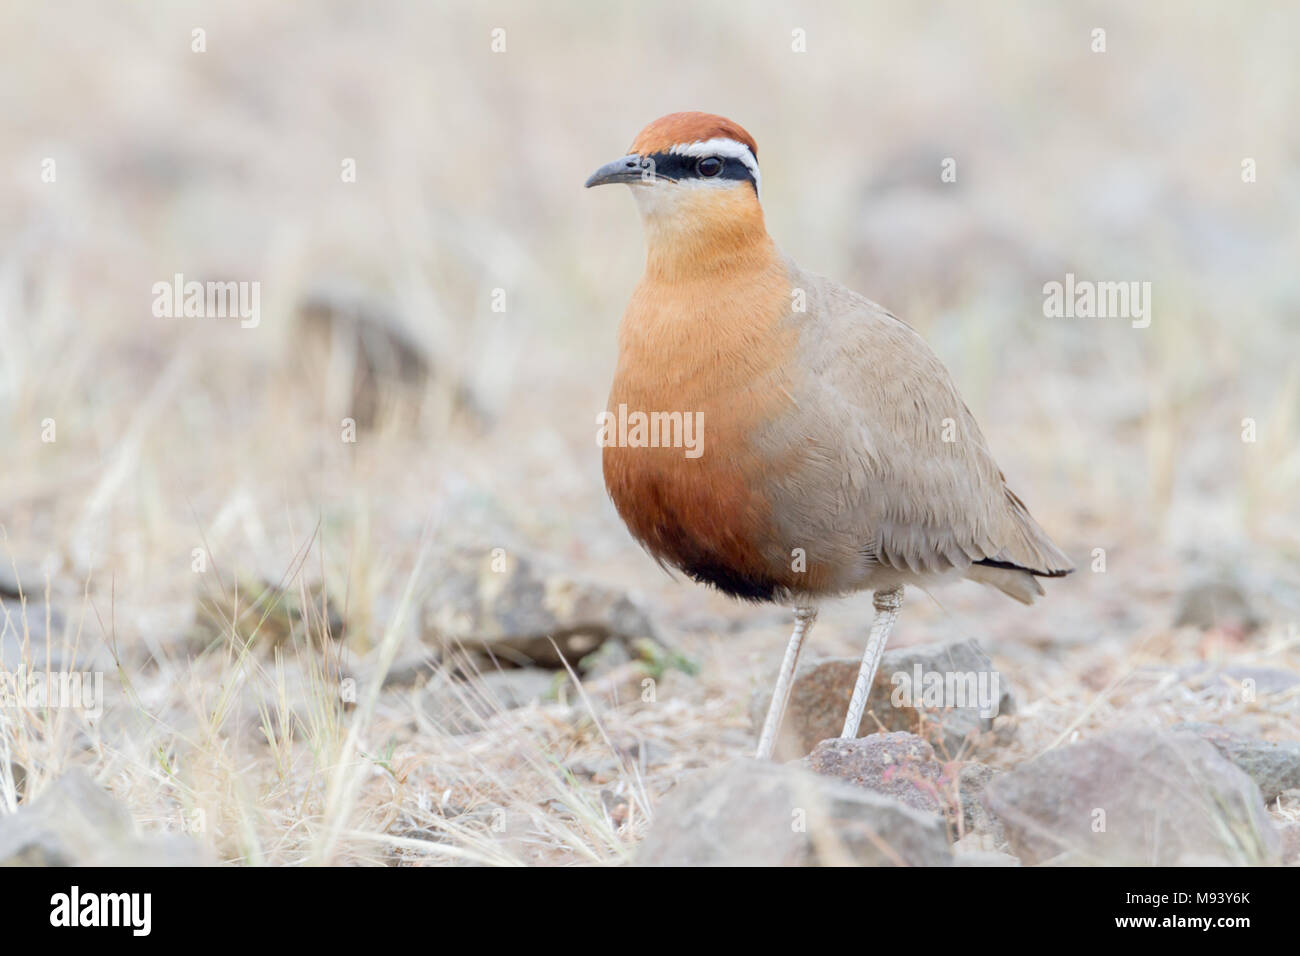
x=528, y=715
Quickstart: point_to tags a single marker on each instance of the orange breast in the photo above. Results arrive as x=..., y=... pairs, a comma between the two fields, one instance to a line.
x=718, y=354
x=706, y=521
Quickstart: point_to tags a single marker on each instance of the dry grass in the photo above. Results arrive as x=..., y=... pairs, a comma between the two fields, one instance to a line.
x=176, y=434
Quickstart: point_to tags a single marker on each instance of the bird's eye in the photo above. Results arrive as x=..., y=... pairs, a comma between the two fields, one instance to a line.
x=709, y=166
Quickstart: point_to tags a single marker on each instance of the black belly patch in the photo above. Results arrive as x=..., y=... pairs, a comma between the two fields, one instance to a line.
x=729, y=581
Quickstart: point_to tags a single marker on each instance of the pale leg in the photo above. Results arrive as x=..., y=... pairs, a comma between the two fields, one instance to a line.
x=803, y=622
x=887, y=603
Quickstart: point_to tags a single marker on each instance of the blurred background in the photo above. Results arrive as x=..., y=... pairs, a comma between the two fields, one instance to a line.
x=404, y=182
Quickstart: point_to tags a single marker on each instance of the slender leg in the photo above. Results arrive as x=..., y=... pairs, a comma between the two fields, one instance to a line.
x=887, y=603
x=803, y=622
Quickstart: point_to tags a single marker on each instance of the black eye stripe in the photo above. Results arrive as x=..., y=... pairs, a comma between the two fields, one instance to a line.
x=676, y=166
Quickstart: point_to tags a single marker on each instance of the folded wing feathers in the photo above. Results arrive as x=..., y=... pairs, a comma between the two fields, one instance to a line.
x=931, y=505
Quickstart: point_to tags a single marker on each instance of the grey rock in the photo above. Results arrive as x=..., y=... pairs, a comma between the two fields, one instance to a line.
x=972, y=781
x=1240, y=682
x=1290, y=831
x=1134, y=798
x=821, y=691
x=1217, y=604
x=898, y=765
x=756, y=813
x=346, y=324
x=510, y=606
x=75, y=822
x=1274, y=766
x=976, y=851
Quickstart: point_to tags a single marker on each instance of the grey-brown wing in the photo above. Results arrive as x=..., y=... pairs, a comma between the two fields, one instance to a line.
x=917, y=483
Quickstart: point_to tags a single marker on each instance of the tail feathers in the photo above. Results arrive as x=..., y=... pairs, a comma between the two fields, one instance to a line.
x=1013, y=582
x=1029, y=547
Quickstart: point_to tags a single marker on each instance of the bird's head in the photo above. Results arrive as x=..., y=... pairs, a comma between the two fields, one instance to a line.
x=694, y=176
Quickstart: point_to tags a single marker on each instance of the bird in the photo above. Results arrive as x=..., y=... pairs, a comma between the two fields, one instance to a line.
x=779, y=437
